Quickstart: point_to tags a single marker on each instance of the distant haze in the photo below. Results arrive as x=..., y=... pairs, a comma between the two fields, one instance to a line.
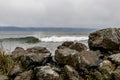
x=60, y=13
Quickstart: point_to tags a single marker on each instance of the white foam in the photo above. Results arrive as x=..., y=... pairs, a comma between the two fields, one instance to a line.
x=63, y=38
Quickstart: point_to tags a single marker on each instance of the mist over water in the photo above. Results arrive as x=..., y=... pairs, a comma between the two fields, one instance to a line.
x=49, y=39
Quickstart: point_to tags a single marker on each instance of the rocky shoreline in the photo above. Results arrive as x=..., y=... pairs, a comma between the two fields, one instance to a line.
x=72, y=60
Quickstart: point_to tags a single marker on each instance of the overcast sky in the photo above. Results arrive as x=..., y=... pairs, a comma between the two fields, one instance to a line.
x=60, y=13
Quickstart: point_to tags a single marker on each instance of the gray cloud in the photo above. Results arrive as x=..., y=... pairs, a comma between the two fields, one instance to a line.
x=60, y=13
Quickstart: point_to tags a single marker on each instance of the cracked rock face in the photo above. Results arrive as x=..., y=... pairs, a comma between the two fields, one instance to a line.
x=105, y=40
x=76, y=59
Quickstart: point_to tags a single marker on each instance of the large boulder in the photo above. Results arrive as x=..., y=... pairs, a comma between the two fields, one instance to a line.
x=67, y=56
x=18, y=52
x=90, y=58
x=106, y=40
x=78, y=47
x=32, y=60
x=38, y=49
x=46, y=73
x=35, y=56
x=27, y=75
x=76, y=59
x=67, y=43
x=73, y=45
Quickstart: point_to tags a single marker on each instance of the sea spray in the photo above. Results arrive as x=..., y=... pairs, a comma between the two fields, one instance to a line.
x=63, y=38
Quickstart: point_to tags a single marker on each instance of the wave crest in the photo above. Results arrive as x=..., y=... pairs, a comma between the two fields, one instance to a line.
x=63, y=38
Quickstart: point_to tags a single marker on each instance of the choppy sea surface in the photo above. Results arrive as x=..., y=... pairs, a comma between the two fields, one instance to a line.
x=48, y=38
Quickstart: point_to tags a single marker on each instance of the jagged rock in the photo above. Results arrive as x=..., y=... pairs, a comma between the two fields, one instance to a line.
x=105, y=40
x=70, y=73
x=67, y=56
x=32, y=60
x=78, y=47
x=115, y=58
x=38, y=49
x=90, y=58
x=116, y=74
x=75, y=59
x=75, y=46
x=106, y=68
x=46, y=73
x=67, y=43
x=27, y=75
x=14, y=71
x=18, y=52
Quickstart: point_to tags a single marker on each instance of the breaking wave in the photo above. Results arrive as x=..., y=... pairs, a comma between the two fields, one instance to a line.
x=63, y=38
x=35, y=39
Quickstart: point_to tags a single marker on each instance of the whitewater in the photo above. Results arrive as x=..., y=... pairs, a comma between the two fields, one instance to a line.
x=48, y=39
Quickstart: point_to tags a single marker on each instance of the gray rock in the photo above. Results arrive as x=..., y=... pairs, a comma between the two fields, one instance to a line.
x=38, y=49
x=67, y=43
x=18, y=52
x=105, y=40
x=70, y=73
x=46, y=73
x=90, y=58
x=116, y=74
x=15, y=71
x=115, y=58
x=98, y=76
x=106, y=65
x=106, y=68
x=32, y=60
x=67, y=56
x=75, y=59
x=78, y=47
x=27, y=75
x=75, y=46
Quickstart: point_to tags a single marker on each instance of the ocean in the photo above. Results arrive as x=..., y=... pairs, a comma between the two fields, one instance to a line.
x=50, y=38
